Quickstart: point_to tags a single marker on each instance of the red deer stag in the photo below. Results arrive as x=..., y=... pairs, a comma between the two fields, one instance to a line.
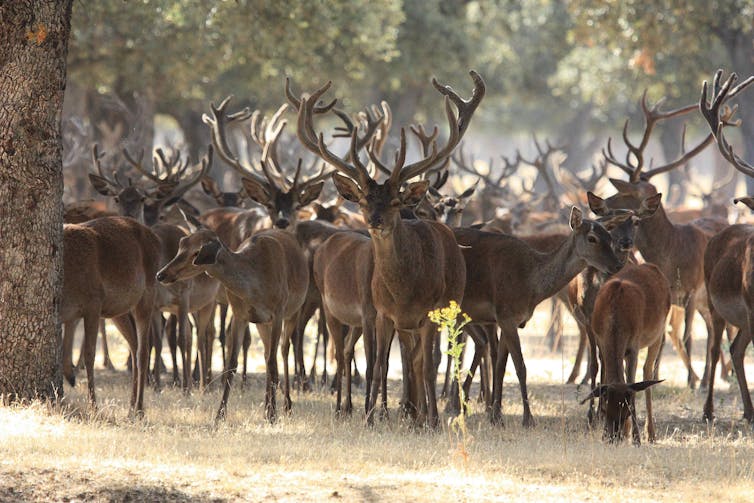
x=417, y=264
x=729, y=257
x=677, y=249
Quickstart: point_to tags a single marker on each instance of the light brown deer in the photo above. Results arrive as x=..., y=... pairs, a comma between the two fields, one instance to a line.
x=417, y=264
x=630, y=313
x=677, y=249
x=265, y=282
x=505, y=292
x=108, y=272
x=169, y=176
x=729, y=257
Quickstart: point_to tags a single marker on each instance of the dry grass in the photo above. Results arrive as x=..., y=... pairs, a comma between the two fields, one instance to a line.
x=177, y=454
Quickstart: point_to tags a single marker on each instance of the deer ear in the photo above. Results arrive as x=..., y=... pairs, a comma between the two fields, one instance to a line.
x=470, y=191
x=748, y=201
x=596, y=393
x=101, y=185
x=597, y=204
x=649, y=206
x=641, y=386
x=411, y=195
x=256, y=191
x=347, y=188
x=191, y=221
x=210, y=187
x=309, y=194
x=208, y=253
x=623, y=186
x=576, y=218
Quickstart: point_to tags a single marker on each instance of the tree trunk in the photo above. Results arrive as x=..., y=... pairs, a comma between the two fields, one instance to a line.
x=33, y=50
x=670, y=141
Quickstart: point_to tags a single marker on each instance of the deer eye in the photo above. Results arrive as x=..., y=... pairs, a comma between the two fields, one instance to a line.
x=591, y=238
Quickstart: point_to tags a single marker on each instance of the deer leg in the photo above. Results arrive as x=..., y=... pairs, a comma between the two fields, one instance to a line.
x=579, y=355
x=221, y=336
x=234, y=336
x=106, y=361
x=246, y=345
x=289, y=327
x=555, y=332
x=142, y=315
x=383, y=336
x=429, y=340
x=202, y=318
x=313, y=371
x=446, y=380
x=409, y=395
x=737, y=353
x=80, y=363
x=651, y=365
x=272, y=339
x=688, y=339
x=156, y=339
x=171, y=335
x=186, y=342
x=69, y=329
x=325, y=339
x=513, y=344
x=369, y=350
x=718, y=325
x=348, y=356
x=91, y=327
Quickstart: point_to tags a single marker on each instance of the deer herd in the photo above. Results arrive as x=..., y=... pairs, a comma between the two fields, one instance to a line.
x=376, y=273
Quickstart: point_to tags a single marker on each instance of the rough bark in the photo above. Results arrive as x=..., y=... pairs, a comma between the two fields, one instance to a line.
x=33, y=50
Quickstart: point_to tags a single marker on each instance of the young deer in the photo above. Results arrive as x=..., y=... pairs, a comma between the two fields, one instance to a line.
x=417, y=264
x=265, y=281
x=630, y=313
x=109, y=265
x=505, y=292
x=729, y=257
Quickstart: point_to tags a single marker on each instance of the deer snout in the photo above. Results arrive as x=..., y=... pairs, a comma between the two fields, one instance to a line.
x=282, y=223
x=626, y=244
x=163, y=277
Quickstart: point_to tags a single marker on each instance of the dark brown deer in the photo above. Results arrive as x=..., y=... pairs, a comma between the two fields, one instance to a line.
x=109, y=265
x=630, y=313
x=417, y=264
x=265, y=282
x=505, y=292
x=728, y=259
x=676, y=249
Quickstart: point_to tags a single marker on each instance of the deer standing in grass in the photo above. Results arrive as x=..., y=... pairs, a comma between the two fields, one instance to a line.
x=506, y=279
x=109, y=265
x=417, y=264
x=630, y=313
x=729, y=257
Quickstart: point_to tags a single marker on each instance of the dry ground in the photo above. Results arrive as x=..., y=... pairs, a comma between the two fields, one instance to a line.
x=176, y=454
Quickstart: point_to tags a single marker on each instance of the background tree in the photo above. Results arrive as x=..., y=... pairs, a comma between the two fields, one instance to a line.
x=33, y=49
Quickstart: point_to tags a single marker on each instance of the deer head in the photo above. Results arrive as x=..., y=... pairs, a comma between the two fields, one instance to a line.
x=380, y=203
x=281, y=196
x=617, y=406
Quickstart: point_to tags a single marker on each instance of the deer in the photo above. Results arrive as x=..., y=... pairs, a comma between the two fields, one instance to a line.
x=630, y=313
x=505, y=292
x=677, y=249
x=109, y=267
x=170, y=183
x=417, y=264
x=265, y=281
x=728, y=257
x=280, y=197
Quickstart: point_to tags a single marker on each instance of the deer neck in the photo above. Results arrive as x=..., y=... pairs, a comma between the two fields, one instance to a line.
x=395, y=261
x=557, y=268
x=654, y=235
x=236, y=273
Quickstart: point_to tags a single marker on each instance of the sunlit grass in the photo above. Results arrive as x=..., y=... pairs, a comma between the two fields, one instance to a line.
x=177, y=453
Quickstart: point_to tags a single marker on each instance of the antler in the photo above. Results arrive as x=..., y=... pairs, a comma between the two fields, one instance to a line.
x=168, y=172
x=634, y=163
x=718, y=118
x=96, y=160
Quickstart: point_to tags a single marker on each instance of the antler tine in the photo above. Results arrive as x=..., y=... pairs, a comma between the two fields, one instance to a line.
x=217, y=124
x=323, y=174
x=383, y=130
x=297, y=103
x=206, y=163
x=139, y=167
x=272, y=133
x=610, y=157
x=425, y=140
x=97, y=161
x=458, y=124
x=717, y=122
x=375, y=158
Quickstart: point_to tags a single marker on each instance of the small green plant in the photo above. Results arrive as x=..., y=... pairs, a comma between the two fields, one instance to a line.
x=452, y=320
